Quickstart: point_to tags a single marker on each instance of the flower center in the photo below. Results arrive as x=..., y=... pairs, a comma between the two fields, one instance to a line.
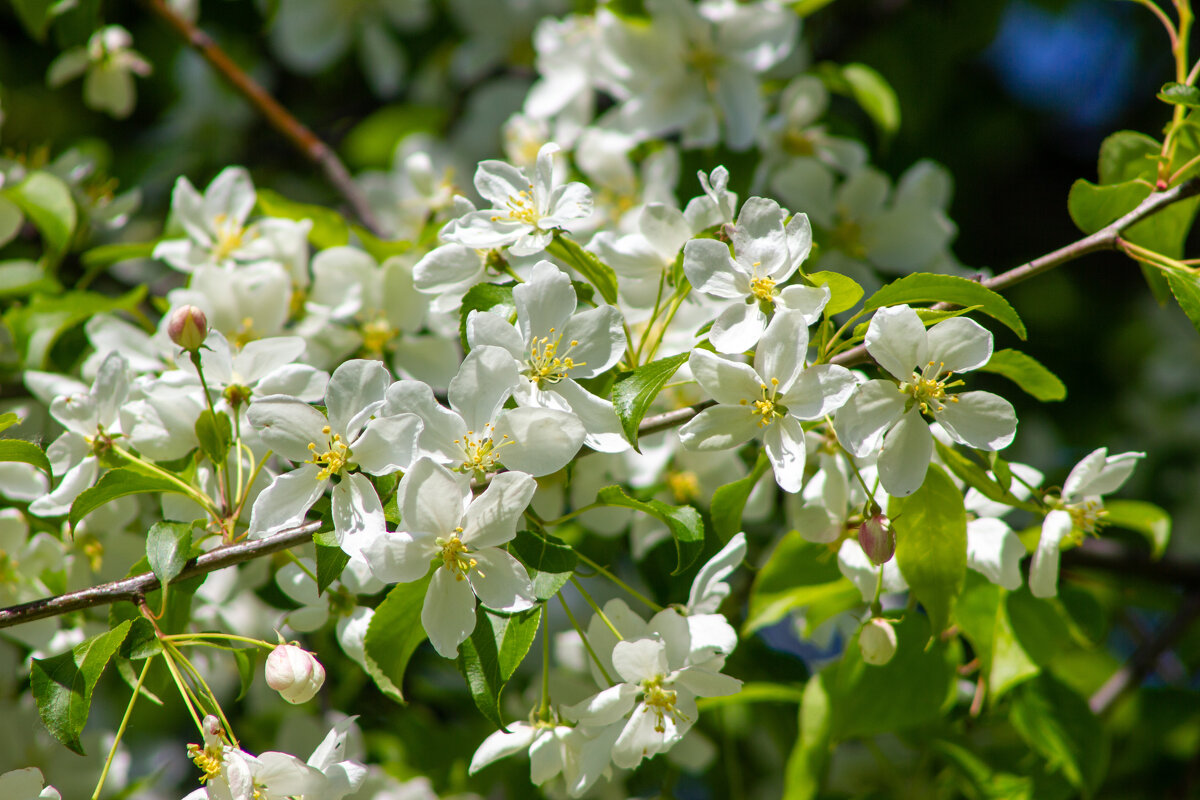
x=545, y=365
x=230, y=236
x=847, y=237
x=799, y=142
x=376, y=335
x=928, y=387
x=660, y=701
x=767, y=407
x=246, y=333
x=334, y=459
x=207, y=760
x=521, y=208
x=1088, y=516
x=763, y=290
x=481, y=453
x=456, y=557
x=684, y=486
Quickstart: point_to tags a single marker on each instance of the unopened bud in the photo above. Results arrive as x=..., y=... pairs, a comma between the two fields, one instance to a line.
x=877, y=538
x=188, y=327
x=877, y=641
x=294, y=673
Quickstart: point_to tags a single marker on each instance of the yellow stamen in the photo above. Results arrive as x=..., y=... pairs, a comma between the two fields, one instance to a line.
x=456, y=557
x=544, y=365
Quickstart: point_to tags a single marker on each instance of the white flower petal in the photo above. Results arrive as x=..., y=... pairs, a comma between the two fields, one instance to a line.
x=907, y=451
x=862, y=421
x=545, y=302
x=896, y=338
x=605, y=707
x=502, y=744
x=398, y=557
x=388, y=444
x=357, y=513
x=995, y=551
x=354, y=393
x=500, y=581
x=820, y=390
x=979, y=419
x=492, y=518
x=719, y=428
x=738, y=328
x=1043, y=569
x=484, y=380
x=286, y=501
x=431, y=499
x=449, y=611
x=706, y=683
x=488, y=328
x=540, y=440
x=288, y=426
x=711, y=269
x=640, y=660
x=728, y=382
x=784, y=443
x=601, y=340
x=960, y=344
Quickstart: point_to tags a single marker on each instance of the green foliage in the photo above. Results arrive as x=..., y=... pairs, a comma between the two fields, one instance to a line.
x=393, y=635
x=1058, y=725
x=1178, y=94
x=684, y=522
x=1028, y=373
x=844, y=292
x=329, y=228
x=38, y=325
x=921, y=287
x=331, y=559
x=869, y=89
x=372, y=141
x=798, y=574
x=982, y=615
x=931, y=544
x=63, y=684
x=729, y=501
x=634, y=391
x=1186, y=290
x=46, y=200
x=971, y=473
x=168, y=548
x=806, y=763
x=550, y=561
x=24, y=452
x=1145, y=518
x=215, y=434
x=494, y=297
x=593, y=270
x=492, y=653
x=119, y=483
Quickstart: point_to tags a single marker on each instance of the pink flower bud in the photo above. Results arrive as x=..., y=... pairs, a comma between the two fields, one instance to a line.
x=877, y=641
x=877, y=538
x=187, y=327
x=294, y=673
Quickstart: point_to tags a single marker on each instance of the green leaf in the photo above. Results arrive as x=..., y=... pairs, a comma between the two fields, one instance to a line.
x=804, y=8
x=1145, y=518
x=215, y=434
x=331, y=559
x=141, y=642
x=329, y=227
x=684, y=522
x=118, y=483
x=11, y=220
x=797, y=573
x=394, y=633
x=168, y=547
x=634, y=391
x=593, y=270
x=1126, y=155
x=47, y=201
x=550, y=561
x=25, y=452
x=247, y=663
x=987, y=783
x=754, y=692
x=844, y=293
x=108, y=254
x=968, y=471
x=876, y=96
x=63, y=684
x=806, y=764
x=8, y=419
x=22, y=276
x=371, y=143
x=1093, y=207
x=1038, y=626
x=924, y=287
x=931, y=544
x=494, y=297
x=982, y=616
x=492, y=653
x=39, y=324
x=1028, y=373
x=1186, y=289
x=1178, y=94
x=35, y=15
x=729, y=501
x=1057, y=724
x=909, y=690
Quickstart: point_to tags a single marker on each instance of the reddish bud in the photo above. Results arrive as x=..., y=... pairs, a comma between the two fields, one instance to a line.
x=877, y=538
x=187, y=327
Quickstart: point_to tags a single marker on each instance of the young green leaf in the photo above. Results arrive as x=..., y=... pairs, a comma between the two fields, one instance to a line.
x=247, y=662
x=168, y=547
x=844, y=292
x=876, y=96
x=729, y=501
x=215, y=434
x=394, y=633
x=331, y=559
x=1178, y=94
x=1028, y=373
x=25, y=452
x=923, y=287
x=1057, y=724
x=329, y=228
x=107, y=254
x=47, y=201
x=1186, y=288
x=550, y=561
x=1141, y=517
x=593, y=270
x=118, y=483
x=684, y=522
x=797, y=574
x=141, y=642
x=931, y=544
x=634, y=391
x=63, y=684
x=490, y=656
x=806, y=764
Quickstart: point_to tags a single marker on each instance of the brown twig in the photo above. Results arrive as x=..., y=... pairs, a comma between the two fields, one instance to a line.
x=1104, y=239
x=1141, y=664
x=137, y=586
x=282, y=120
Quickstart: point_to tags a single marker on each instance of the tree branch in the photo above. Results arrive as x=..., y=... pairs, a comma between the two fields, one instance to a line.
x=1141, y=664
x=1103, y=239
x=133, y=588
x=282, y=120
